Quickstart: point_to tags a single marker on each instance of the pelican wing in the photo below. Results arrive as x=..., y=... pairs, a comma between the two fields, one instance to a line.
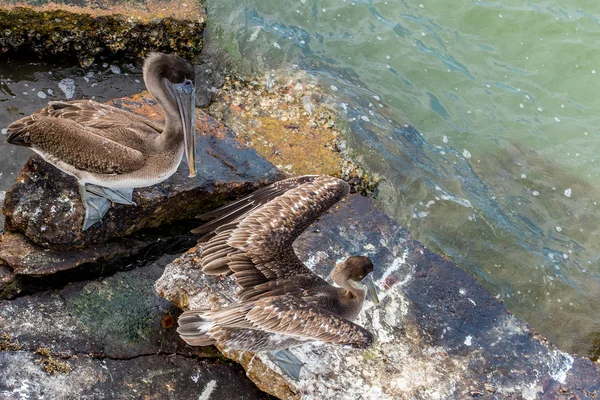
x=253, y=237
x=89, y=136
x=97, y=115
x=84, y=148
x=290, y=316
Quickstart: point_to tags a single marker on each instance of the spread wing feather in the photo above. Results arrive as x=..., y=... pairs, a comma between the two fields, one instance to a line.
x=290, y=316
x=253, y=236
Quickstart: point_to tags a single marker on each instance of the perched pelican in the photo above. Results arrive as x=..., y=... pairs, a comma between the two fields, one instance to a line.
x=110, y=151
x=281, y=303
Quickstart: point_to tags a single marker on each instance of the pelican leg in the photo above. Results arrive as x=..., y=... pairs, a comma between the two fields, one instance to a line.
x=288, y=362
x=119, y=196
x=95, y=207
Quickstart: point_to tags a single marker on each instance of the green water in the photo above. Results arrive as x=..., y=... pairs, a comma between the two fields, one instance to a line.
x=502, y=174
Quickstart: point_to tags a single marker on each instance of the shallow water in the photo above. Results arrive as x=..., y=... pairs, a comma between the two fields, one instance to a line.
x=501, y=172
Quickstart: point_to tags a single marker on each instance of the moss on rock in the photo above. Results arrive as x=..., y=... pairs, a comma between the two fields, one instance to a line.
x=58, y=32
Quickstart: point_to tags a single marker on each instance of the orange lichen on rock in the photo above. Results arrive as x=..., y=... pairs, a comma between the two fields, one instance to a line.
x=287, y=124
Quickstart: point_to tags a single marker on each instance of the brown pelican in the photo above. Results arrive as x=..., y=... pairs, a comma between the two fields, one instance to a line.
x=281, y=303
x=110, y=151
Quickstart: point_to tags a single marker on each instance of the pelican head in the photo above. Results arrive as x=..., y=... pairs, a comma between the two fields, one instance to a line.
x=351, y=273
x=171, y=79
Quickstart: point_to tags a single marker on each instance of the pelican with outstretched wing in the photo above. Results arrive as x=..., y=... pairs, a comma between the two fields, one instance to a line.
x=281, y=303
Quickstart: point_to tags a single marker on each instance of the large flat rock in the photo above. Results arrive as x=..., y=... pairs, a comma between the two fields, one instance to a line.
x=104, y=28
x=107, y=339
x=45, y=206
x=439, y=334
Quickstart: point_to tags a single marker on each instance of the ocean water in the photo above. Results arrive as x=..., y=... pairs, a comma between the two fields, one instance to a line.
x=482, y=120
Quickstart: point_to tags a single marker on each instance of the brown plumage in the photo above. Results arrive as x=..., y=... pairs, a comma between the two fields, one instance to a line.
x=110, y=151
x=281, y=303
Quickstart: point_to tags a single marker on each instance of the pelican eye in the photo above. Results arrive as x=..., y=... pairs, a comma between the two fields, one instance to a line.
x=187, y=82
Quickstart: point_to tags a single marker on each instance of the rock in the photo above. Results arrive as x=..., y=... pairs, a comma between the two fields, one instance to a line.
x=439, y=334
x=88, y=30
x=8, y=288
x=44, y=204
x=210, y=76
x=292, y=125
x=26, y=268
x=107, y=339
x=146, y=377
x=26, y=258
x=116, y=317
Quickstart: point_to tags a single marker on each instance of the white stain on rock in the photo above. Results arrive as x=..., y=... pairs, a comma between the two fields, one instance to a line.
x=208, y=390
x=396, y=264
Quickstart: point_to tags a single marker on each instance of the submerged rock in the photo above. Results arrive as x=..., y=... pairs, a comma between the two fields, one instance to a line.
x=45, y=206
x=439, y=334
x=107, y=339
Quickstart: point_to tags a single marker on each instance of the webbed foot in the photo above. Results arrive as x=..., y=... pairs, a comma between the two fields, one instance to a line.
x=97, y=200
x=119, y=196
x=288, y=362
x=95, y=208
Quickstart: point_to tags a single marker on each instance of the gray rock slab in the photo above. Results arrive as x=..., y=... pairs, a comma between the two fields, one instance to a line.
x=439, y=334
x=146, y=377
x=118, y=317
x=117, y=338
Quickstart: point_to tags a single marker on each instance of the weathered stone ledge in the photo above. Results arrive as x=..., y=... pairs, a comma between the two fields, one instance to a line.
x=110, y=28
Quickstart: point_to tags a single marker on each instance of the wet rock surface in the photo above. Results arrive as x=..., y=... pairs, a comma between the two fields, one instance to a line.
x=439, y=334
x=210, y=76
x=45, y=206
x=107, y=339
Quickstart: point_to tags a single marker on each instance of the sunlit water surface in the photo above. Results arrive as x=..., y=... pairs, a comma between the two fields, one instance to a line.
x=501, y=172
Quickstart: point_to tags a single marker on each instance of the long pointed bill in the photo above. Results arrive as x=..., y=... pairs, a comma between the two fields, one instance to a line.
x=185, y=95
x=370, y=284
